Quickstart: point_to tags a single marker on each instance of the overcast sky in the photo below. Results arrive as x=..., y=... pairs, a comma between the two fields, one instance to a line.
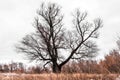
x=17, y=16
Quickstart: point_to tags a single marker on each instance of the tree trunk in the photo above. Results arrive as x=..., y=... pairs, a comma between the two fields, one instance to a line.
x=56, y=68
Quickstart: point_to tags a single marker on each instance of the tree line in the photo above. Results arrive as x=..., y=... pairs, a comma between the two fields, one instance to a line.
x=111, y=64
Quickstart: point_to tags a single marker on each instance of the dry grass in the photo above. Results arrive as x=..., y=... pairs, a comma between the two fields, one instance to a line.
x=58, y=76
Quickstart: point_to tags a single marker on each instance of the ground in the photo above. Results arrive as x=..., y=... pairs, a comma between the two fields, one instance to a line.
x=51, y=76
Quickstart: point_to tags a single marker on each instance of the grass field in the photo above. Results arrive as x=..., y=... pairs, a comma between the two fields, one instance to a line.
x=13, y=76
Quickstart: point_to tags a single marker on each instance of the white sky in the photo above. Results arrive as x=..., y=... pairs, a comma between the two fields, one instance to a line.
x=17, y=16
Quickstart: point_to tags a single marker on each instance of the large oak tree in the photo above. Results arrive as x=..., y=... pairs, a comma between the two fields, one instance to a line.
x=53, y=44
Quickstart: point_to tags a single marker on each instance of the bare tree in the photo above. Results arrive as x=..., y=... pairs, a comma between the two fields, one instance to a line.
x=111, y=62
x=50, y=41
x=118, y=42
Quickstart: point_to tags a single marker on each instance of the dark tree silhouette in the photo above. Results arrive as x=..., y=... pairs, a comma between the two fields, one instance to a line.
x=53, y=45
